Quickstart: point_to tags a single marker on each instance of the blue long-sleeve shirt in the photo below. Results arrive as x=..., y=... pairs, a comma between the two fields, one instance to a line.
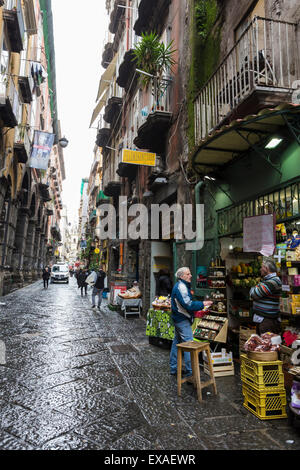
x=182, y=303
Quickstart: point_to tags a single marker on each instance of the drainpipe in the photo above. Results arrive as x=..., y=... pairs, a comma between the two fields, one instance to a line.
x=194, y=258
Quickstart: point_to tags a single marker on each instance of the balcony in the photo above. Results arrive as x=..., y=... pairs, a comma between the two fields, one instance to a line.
x=126, y=70
x=103, y=133
x=152, y=132
x=112, y=109
x=93, y=216
x=108, y=55
x=112, y=188
x=257, y=73
x=103, y=136
x=101, y=198
x=152, y=16
x=10, y=105
x=117, y=16
x=22, y=144
x=13, y=18
x=26, y=85
x=127, y=170
x=55, y=232
x=44, y=192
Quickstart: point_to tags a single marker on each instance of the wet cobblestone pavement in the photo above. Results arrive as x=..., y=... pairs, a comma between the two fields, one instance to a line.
x=78, y=379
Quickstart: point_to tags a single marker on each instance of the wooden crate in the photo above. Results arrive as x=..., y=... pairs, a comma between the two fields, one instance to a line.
x=219, y=370
x=222, y=363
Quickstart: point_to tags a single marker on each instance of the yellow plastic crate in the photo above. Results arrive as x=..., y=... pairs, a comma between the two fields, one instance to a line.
x=265, y=405
x=262, y=375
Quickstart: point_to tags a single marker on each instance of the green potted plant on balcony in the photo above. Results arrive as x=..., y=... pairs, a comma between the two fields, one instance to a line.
x=155, y=60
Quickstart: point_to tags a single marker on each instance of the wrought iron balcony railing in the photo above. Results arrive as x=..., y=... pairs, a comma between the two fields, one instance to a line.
x=264, y=58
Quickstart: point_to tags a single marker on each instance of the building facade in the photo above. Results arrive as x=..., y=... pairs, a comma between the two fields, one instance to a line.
x=135, y=117
x=233, y=85
x=27, y=104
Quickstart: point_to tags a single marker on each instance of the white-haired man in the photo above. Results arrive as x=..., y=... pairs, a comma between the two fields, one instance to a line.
x=183, y=308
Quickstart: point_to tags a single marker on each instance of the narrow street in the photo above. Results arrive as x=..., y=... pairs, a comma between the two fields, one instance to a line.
x=75, y=379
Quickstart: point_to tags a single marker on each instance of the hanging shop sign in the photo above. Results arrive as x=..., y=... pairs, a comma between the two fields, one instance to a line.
x=41, y=149
x=136, y=157
x=260, y=234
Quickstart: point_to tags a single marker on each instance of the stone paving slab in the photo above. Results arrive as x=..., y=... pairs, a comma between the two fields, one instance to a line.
x=80, y=379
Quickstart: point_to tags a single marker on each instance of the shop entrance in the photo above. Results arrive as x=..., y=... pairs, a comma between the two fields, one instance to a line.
x=161, y=259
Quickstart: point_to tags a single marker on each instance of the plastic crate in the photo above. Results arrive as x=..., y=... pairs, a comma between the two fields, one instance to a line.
x=265, y=405
x=262, y=375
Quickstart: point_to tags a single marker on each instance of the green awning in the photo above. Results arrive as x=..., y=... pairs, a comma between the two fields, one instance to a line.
x=242, y=135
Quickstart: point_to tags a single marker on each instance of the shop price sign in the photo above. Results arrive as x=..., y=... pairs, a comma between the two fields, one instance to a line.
x=260, y=234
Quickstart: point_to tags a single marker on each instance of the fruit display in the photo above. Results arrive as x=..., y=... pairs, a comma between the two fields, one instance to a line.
x=242, y=269
x=162, y=303
x=246, y=282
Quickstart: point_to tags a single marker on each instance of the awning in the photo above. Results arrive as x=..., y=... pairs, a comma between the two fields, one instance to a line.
x=241, y=135
x=107, y=77
x=102, y=95
x=99, y=107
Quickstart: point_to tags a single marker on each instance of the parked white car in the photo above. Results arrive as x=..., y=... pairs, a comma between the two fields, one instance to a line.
x=60, y=273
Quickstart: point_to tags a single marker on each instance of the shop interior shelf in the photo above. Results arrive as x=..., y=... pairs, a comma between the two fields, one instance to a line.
x=219, y=313
x=243, y=254
x=292, y=315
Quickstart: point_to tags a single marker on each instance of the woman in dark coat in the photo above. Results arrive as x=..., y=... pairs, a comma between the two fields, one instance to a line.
x=164, y=283
x=46, y=277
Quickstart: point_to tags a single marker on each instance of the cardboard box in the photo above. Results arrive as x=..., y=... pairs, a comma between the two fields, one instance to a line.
x=219, y=357
x=291, y=256
x=245, y=334
x=293, y=271
x=295, y=297
x=285, y=305
x=295, y=308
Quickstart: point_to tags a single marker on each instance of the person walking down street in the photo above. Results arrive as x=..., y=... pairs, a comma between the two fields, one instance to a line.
x=81, y=278
x=183, y=307
x=46, y=277
x=98, y=288
x=266, y=299
x=164, y=283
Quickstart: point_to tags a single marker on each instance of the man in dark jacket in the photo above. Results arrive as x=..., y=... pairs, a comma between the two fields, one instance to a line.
x=266, y=296
x=98, y=288
x=82, y=275
x=183, y=308
x=46, y=276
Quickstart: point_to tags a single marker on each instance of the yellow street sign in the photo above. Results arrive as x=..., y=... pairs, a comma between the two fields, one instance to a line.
x=136, y=157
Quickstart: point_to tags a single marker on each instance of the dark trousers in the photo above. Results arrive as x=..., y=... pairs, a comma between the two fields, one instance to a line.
x=85, y=289
x=46, y=282
x=268, y=324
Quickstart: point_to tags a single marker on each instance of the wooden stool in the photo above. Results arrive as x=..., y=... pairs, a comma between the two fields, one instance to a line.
x=195, y=348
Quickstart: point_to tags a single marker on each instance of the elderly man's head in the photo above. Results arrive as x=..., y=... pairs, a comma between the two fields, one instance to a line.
x=184, y=273
x=268, y=266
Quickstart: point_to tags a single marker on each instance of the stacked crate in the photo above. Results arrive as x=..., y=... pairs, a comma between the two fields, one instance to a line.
x=263, y=388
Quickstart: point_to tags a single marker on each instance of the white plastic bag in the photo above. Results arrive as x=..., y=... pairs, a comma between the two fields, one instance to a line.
x=91, y=279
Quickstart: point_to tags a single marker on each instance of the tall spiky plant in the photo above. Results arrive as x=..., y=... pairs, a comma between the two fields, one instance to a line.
x=155, y=58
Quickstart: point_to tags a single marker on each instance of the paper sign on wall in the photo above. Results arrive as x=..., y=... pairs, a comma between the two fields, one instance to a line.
x=259, y=234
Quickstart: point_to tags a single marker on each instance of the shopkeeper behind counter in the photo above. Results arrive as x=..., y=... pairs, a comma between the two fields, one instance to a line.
x=266, y=299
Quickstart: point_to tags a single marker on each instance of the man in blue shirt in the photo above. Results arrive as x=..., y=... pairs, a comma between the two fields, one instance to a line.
x=183, y=308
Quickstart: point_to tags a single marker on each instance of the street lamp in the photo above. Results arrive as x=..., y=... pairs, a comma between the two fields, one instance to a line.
x=63, y=142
